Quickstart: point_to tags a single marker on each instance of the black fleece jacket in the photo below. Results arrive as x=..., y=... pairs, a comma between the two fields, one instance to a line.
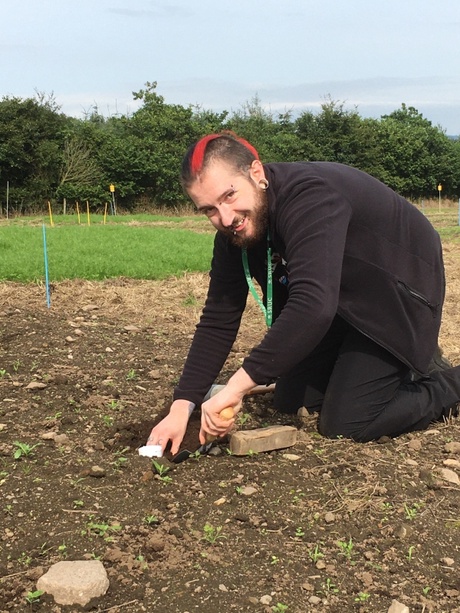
x=352, y=247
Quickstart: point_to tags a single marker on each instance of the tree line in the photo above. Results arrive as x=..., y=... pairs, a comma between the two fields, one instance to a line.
x=48, y=156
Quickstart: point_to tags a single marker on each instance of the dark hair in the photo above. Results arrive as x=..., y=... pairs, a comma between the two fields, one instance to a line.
x=226, y=146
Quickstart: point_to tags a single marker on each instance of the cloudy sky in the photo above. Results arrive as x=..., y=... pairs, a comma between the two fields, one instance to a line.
x=219, y=54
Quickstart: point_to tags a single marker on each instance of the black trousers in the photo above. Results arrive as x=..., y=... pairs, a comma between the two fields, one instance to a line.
x=362, y=391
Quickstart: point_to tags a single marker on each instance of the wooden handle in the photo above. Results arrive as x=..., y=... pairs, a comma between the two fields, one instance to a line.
x=226, y=414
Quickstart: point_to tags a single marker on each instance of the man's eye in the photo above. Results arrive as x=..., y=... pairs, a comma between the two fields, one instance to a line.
x=210, y=211
x=230, y=195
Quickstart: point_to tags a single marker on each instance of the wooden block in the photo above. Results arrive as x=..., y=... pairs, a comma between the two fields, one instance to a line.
x=244, y=442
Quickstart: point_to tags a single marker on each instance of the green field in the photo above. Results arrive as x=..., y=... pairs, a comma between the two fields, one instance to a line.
x=135, y=246
x=98, y=251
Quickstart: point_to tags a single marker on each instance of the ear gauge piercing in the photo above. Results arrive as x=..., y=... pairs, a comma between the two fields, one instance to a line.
x=263, y=184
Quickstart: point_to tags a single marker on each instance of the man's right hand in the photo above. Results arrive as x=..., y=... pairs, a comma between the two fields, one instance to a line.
x=172, y=427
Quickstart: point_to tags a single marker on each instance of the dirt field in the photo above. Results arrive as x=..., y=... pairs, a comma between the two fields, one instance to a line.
x=327, y=526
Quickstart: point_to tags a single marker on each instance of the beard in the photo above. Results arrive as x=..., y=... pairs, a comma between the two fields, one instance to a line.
x=259, y=221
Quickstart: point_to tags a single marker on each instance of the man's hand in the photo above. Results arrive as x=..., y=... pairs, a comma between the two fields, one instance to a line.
x=212, y=425
x=172, y=427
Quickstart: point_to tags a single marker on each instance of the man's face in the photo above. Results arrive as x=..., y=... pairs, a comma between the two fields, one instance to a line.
x=233, y=202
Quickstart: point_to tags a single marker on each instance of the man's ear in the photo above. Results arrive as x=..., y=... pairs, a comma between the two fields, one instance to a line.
x=256, y=171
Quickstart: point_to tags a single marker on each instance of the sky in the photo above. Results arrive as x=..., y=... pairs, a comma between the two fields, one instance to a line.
x=293, y=55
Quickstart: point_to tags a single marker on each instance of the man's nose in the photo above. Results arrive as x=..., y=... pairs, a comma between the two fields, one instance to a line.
x=226, y=215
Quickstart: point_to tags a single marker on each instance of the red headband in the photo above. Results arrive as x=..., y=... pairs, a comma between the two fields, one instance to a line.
x=196, y=163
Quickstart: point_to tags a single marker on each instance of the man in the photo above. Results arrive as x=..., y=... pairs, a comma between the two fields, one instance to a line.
x=353, y=283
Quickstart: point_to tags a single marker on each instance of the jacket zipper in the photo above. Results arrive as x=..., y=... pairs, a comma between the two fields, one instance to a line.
x=418, y=297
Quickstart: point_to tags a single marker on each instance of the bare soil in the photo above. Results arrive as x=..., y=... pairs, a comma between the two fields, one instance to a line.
x=328, y=526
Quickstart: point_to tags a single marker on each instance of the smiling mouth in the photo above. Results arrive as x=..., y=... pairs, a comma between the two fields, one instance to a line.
x=236, y=225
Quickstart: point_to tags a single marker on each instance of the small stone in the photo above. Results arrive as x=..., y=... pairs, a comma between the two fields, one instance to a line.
x=384, y=440
x=320, y=565
x=97, y=471
x=215, y=451
x=223, y=588
x=89, y=307
x=75, y=583
x=400, y=532
x=155, y=374
x=314, y=600
x=292, y=457
x=36, y=385
x=448, y=561
x=329, y=518
x=220, y=501
x=70, y=339
x=398, y=607
x=248, y=490
x=48, y=436
x=131, y=328
x=61, y=439
x=415, y=444
x=449, y=462
x=449, y=475
x=108, y=350
x=267, y=599
x=452, y=447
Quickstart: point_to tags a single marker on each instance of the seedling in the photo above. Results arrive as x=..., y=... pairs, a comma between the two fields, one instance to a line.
x=62, y=549
x=120, y=460
x=411, y=512
x=34, y=597
x=212, y=533
x=299, y=532
x=315, y=554
x=279, y=607
x=24, y=559
x=78, y=504
x=23, y=449
x=410, y=552
x=329, y=587
x=54, y=417
x=242, y=418
x=108, y=420
x=116, y=405
x=132, y=375
x=274, y=560
x=103, y=530
x=16, y=365
x=346, y=548
x=426, y=590
x=151, y=520
x=161, y=470
x=3, y=373
x=362, y=597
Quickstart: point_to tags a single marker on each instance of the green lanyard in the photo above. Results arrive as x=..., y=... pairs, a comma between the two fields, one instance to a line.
x=268, y=312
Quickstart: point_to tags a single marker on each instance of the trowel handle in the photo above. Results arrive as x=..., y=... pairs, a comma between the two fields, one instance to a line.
x=226, y=414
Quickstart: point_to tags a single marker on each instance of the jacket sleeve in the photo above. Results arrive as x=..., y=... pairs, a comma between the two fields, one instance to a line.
x=311, y=221
x=218, y=325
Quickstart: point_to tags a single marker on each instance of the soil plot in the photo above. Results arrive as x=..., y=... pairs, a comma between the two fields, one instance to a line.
x=324, y=526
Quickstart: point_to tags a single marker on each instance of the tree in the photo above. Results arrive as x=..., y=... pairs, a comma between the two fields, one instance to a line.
x=31, y=137
x=416, y=156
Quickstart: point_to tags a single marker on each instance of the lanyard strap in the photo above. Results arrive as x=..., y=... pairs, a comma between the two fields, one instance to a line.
x=267, y=311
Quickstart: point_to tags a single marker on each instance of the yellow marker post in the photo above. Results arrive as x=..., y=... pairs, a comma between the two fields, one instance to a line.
x=439, y=195
x=113, y=205
x=105, y=213
x=78, y=211
x=50, y=214
x=87, y=213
